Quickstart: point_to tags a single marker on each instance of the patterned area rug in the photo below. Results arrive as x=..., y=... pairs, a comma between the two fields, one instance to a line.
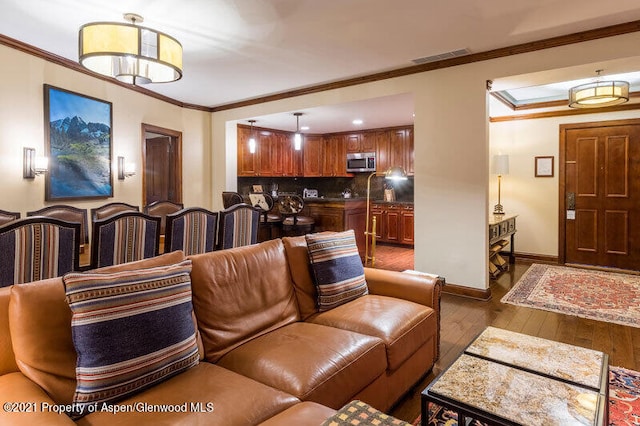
x=624, y=402
x=602, y=296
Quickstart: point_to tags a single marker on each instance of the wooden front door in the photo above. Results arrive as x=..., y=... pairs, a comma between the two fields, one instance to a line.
x=162, y=178
x=600, y=190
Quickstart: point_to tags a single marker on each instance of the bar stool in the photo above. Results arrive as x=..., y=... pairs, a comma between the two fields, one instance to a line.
x=294, y=224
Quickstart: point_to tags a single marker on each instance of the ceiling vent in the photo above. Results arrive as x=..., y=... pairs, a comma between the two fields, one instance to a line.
x=441, y=56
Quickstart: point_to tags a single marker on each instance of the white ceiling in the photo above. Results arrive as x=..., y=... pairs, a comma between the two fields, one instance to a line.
x=241, y=49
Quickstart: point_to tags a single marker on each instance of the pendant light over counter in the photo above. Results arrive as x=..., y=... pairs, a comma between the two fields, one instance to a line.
x=599, y=93
x=252, y=138
x=130, y=53
x=297, y=138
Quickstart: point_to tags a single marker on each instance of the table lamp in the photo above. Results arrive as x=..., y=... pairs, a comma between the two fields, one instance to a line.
x=500, y=167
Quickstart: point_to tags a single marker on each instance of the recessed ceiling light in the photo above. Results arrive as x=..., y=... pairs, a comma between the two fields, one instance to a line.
x=357, y=121
x=304, y=127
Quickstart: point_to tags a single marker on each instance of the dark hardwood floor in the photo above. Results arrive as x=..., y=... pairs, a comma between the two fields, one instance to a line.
x=464, y=318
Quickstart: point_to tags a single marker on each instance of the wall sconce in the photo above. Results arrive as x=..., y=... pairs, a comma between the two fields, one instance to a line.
x=33, y=166
x=125, y=170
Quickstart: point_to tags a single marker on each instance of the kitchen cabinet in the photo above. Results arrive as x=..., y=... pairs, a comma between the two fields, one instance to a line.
x=247, y=162
x=394, y=222
x=322, y=155
x=269, y=154
x=335, y=153
x=313, y=155
x=361, y=142
x=395, y=148
x=291, y=159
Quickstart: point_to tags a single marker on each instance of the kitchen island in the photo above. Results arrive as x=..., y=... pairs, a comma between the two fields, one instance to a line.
x=339, y=214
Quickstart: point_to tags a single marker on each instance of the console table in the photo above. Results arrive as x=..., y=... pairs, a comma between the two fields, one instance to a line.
x=502, y=229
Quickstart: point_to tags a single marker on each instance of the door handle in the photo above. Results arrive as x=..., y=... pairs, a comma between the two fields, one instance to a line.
x=571, y=200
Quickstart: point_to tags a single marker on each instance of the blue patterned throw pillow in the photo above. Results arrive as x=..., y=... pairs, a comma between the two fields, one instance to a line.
x=336, y=267
x=131, y=330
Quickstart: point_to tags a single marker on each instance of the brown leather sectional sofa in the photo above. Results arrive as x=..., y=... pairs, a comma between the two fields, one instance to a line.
x=267, y=355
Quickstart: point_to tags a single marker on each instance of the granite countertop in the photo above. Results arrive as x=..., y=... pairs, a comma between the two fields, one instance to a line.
x=333, y=199
x=406, y=203
x=340, y=199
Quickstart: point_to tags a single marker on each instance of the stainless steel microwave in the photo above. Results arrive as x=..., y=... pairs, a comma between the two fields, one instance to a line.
x=361, y=162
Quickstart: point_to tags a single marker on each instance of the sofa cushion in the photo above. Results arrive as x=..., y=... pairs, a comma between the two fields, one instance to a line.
x=131, y=330
x=300, y=267
x=337, y=269
x=204, y=395
x=403, y=326
x=40, y=324
x=312, y=362
x=241, y=293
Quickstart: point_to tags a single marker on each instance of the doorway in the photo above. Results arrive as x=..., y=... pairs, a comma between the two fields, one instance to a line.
x=600, y=194
x=161, y=164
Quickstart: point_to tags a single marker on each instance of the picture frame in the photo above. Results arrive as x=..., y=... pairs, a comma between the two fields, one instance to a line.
x=78, y=133
x=544, y=166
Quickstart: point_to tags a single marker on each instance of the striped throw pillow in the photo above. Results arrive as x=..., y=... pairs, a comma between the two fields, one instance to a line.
x=131, y=330
x=336, y=268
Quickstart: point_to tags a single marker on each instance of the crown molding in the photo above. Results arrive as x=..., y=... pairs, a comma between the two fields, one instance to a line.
x=588, y=35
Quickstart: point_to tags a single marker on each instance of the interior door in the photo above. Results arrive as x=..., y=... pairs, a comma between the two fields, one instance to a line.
x=600, y=209
x=162, y=178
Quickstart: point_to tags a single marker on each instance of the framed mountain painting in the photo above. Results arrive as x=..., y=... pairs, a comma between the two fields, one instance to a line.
x=78, y=144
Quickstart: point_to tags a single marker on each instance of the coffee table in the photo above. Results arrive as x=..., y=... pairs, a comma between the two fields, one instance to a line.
x=508, y=378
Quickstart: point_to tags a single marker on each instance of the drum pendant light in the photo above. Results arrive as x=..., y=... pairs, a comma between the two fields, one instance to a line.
x=130, y=53
x=599, y=93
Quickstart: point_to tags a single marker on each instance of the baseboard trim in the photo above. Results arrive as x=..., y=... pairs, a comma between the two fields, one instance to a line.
x=471, y=293
x=538, y=258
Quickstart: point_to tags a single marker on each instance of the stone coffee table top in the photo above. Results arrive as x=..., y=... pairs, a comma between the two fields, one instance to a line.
x=566, y=362
x=517, y=395
x=511, y=378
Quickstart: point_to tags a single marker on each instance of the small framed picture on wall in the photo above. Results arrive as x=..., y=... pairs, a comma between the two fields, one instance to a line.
x=544, y=166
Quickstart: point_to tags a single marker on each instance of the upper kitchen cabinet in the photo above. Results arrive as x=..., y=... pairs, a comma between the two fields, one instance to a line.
x=361, y=142
x=335, y=154
x=291, y=159
x=274, y=153
x=395, y=148
x=322, y=155
x=247, y=161
x=269, y=152
x=312, y=157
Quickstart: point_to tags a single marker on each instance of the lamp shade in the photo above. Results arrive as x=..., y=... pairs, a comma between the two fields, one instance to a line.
x=500, y=164
x=130, y=53
x=599, y=94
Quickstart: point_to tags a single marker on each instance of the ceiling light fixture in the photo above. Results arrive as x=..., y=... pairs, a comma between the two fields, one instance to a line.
x=297, y=138
x=599, y=93
x=252, y=138
x=130, y=53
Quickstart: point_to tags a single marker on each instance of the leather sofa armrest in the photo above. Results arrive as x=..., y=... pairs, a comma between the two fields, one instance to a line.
x=421, y=289
x=25, y=403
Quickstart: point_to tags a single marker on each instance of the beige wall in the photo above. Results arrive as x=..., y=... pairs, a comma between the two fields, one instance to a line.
x=22, y=125
x=452, y=148
x=452, y=152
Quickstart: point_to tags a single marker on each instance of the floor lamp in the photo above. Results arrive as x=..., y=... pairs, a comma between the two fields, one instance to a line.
x=500, y=167
x=393, y=173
